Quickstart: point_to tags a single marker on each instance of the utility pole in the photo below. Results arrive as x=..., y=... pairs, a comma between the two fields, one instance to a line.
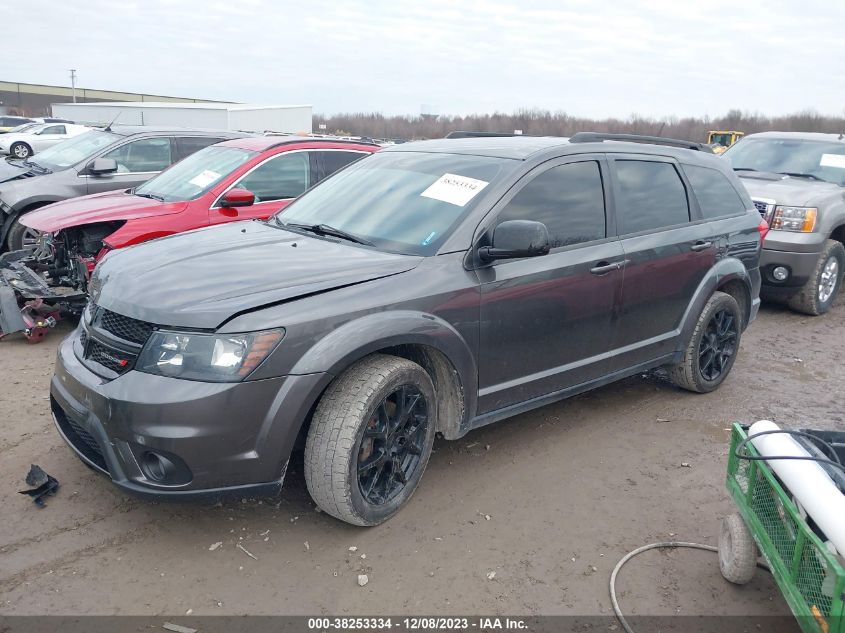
x=73, y=82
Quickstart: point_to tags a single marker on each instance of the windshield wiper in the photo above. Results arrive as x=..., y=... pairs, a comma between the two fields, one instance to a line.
x=798, y=174
x=745, y=169
x=325, y=229
x=151, y=196
x=36, y=166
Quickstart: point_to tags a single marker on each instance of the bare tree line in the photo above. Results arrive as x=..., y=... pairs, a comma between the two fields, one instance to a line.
x=546, y=123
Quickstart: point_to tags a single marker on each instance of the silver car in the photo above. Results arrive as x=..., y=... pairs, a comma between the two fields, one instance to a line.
x=120, y=157
x=25, y=143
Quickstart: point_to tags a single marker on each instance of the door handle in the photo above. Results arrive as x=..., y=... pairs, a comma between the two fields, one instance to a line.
x=700, y=246
x=602, y=268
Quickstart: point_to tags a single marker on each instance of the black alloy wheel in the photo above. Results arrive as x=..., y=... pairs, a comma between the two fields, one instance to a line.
x=717, y=345
x=392, y=444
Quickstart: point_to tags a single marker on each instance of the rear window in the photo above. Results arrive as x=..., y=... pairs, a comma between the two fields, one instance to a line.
x=715, y=194
x=651, y=196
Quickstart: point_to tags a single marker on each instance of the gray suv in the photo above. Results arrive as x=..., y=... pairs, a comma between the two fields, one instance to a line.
x=120, y=157
x=797, y=182
x=431, y=287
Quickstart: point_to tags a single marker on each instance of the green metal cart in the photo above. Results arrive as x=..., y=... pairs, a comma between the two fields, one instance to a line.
x=810, y=577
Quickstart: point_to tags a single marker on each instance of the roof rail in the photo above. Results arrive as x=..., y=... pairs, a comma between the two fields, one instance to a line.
x=459, y=134
x=598, y=137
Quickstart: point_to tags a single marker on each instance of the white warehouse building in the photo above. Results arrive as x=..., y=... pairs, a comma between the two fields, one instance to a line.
x=216, y=116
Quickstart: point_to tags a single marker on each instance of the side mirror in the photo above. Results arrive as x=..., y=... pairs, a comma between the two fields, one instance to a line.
x=237, y=198
x=513, y=239
x=102, y=166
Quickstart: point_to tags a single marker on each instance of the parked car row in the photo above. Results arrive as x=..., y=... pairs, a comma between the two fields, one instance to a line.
x=8, y=123
x=434, y=286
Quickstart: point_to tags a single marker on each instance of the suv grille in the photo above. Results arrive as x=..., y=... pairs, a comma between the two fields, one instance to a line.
x=111, y=340
x=124, y=327
x=762, y=207
x=116, y=360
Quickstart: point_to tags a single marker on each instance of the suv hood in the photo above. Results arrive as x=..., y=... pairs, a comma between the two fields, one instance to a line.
x=203, y=278
x=15, y=170
x=788, y=190
x=100, y=207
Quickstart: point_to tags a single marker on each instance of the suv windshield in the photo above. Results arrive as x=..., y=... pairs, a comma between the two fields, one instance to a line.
x=192, y=177
x=816, y=159
x=404, y=202
x=74, y=150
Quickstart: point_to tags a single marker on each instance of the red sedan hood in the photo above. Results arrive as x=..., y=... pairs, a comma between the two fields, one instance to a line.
x=100, y=207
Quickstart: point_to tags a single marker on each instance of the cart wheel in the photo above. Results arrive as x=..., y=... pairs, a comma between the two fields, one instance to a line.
x=737, y=551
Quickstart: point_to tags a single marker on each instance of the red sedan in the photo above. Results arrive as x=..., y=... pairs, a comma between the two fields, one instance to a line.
x=240, y=179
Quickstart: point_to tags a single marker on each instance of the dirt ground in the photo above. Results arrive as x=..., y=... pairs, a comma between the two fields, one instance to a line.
x=549, y=501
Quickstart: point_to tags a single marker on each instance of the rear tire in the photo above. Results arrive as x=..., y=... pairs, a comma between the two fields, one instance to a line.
x=20, y=150
x=737, y=551
x=713, y=347
x=819, y=293
x=370, y=439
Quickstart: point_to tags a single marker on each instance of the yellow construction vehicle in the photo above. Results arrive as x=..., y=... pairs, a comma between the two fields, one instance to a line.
x=721, y=140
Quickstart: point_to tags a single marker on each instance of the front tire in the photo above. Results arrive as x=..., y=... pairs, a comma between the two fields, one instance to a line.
x=370, y=439
x=20, y=236
x=712, y=350
x=819, y=293
x=20, y=150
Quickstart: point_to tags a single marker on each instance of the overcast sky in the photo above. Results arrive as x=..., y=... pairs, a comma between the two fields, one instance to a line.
x=588, y=58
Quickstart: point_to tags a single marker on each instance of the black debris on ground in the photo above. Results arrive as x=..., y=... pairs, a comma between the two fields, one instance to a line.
x=40, y=484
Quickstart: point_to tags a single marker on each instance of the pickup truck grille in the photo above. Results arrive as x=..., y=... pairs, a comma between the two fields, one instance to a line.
x=765, y=206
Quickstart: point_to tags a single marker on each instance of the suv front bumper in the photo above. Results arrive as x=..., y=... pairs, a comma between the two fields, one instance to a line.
x=215, y=438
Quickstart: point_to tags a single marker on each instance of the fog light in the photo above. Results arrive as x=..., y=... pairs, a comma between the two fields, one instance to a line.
x=780, y=273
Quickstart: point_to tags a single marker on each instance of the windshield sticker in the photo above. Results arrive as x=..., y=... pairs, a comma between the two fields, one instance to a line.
x=454, y=189
x=430, y=237
x=204, y=179
x=832, y=160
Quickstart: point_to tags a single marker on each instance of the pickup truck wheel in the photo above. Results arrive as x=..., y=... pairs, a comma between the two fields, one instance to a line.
x=370, y=439
x=20, y=150
x=712, y=350
x=819, y=293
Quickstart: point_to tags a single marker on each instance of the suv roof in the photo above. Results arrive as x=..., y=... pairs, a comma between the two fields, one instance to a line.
x=527, y=147
x=262, y=143
x=130, y=130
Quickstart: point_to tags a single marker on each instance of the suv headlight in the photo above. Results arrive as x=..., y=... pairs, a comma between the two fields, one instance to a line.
x=797, y=219
x=206, y=357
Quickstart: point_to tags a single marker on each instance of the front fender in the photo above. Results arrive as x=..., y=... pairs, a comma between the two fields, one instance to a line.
x=724, y=272
x=357, y=338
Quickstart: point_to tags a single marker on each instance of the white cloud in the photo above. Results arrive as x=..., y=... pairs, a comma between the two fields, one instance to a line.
x=600, y=59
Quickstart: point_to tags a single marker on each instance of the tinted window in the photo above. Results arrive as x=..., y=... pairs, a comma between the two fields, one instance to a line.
x=716, y=196
x=149, y=154
x=568, y=199
x=332, y=161
x=54, y=129
x=187, y=145
x=281, y=177
x=652, y=196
